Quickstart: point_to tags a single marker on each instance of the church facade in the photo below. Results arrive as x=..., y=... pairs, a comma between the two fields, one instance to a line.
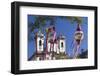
x=49, y=47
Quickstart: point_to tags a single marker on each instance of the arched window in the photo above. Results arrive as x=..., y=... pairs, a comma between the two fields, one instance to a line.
x=62, y=45
x=40, y=42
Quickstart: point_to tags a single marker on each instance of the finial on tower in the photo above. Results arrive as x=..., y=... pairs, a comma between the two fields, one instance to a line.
x=79, y=27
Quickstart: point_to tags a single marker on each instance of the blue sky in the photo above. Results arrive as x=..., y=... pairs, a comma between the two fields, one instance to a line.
x=64, y=27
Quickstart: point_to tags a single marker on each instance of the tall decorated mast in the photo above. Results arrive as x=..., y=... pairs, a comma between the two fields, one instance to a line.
x=47, y=51
x=50, y=41
x=78, y=37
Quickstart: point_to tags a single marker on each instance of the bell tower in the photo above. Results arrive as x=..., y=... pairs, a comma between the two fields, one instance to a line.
x=61, y=44
x=39, y=42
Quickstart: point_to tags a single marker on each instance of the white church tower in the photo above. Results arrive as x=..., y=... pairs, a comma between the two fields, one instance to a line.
x=39, y=40
x=61, y=44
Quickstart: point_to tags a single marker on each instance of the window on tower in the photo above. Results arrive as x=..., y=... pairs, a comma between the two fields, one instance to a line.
x=62, y=44
x=40, y=42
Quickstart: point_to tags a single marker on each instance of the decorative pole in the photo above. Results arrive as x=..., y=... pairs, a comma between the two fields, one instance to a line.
x=77, y=40
x=36, y=42
x=46, y=51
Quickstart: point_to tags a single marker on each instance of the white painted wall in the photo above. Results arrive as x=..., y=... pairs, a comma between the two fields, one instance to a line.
x=5, y=38
x=48, y=45
x=55, y=47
